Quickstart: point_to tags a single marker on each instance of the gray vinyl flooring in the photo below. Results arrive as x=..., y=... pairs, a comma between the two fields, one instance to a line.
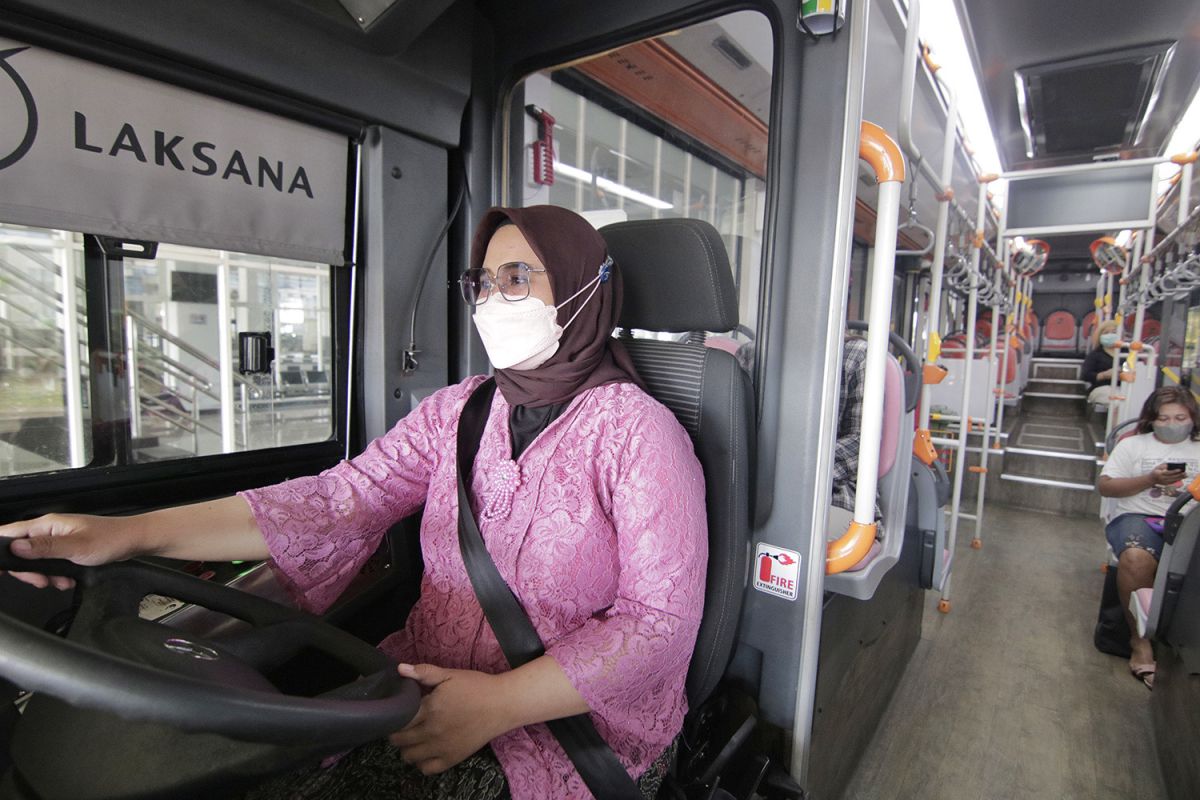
x=1005, y=696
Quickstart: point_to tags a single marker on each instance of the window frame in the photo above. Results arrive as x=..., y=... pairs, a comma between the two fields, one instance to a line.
x=117, y=487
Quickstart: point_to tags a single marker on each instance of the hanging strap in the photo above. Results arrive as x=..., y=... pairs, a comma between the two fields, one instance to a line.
x=591, y=755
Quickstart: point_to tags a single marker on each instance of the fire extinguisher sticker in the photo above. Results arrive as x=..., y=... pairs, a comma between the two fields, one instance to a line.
x=776, y=571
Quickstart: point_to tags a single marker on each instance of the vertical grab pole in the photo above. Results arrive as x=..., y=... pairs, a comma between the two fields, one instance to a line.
x=964, y=422
x=1140, y=315
x=1114, y=399
x=977, y=541
x=1014, y=313
x=883, y=154
x=1187, y=163
x=1110, y=309
x=945, y=196
x=1016, y=301
x=1129, y=262
x=933, y=342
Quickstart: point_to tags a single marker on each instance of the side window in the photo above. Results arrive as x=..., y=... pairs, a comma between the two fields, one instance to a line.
x=158, y=394
x=174, y=305
x=44, y=375
x=674, y=126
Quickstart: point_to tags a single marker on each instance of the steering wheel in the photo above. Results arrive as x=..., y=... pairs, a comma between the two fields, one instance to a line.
x=116, y=663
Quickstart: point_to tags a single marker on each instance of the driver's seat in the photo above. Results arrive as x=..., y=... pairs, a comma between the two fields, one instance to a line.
x=677, y=279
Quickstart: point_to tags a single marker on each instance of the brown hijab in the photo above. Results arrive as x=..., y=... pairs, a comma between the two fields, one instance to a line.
x=572, y=252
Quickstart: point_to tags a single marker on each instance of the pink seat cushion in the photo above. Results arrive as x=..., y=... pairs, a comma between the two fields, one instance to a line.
x=893, y=414
x=723, y=343
x=871, y=555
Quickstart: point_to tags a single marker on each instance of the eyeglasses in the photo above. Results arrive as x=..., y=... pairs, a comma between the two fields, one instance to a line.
x=511, y=279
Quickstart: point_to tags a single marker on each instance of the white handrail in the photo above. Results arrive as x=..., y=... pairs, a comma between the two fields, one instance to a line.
x=960, y=465
x=885, y=158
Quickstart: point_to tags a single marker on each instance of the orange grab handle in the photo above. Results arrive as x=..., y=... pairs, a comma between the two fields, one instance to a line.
x=1185, y=158
x=850, y=549
x=927, y=54
x=1194, y=488
x=881, y=152
x=923, y=447
x=978, y=470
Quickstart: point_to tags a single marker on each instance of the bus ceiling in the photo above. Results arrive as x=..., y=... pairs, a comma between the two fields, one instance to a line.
x=1071, y=82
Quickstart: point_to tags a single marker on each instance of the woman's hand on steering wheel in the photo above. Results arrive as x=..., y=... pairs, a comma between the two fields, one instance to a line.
x=80, y=538
x=461, y=711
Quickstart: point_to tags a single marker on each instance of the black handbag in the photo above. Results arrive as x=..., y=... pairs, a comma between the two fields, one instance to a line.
x=1112, y=629
x=591, y=755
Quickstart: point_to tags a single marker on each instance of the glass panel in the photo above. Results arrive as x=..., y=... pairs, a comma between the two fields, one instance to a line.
x=673, y=178
x=566, y=190
x=44, y=409
x=601, y=159
x=680, y=150
x=56, y=404
x=700, y=205
x=175, y=312
x=640, y=173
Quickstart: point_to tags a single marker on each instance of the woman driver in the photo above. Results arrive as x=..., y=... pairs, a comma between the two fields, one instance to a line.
x=588, y=495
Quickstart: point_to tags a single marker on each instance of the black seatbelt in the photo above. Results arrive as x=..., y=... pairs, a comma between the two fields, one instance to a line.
x=591, y=755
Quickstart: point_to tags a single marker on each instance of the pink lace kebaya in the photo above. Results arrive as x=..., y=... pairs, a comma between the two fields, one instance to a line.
x=599, y=528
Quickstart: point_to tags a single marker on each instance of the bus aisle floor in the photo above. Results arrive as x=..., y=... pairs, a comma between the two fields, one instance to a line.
x=1006, y=697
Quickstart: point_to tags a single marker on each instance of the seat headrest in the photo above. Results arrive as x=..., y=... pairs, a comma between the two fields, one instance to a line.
x=676, y=275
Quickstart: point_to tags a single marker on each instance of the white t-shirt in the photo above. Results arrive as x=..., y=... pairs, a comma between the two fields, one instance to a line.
x=1139, y=455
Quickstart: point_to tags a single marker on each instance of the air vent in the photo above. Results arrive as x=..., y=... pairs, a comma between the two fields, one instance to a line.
x=1092, y=105
x=735, y=54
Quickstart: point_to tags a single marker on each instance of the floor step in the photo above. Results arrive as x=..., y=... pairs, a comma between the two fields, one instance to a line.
x=1029, y=451
x=1058, y=395
x=1052, y=465
x=1036, y=481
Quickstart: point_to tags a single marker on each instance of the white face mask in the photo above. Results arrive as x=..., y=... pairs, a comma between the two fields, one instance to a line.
x=518, y=335
x=524, y=334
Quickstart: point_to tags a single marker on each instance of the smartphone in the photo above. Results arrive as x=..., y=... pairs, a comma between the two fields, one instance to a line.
x=1177, y=466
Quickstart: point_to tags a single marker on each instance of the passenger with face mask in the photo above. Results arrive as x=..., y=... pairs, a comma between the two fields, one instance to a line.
x=1143, y=473
x=1098, y=366
x=589, y=499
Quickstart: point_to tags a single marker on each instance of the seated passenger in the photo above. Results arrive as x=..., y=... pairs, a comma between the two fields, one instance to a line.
x=1098, y=366
x=849, y=423
x=581, y=484
x=1146, y=473
x=849, y=436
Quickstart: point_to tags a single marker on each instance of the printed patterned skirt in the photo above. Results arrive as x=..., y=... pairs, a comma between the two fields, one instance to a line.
x=376, y=770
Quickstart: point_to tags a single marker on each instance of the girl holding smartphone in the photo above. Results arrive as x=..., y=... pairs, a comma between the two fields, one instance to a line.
x=1146, y=473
